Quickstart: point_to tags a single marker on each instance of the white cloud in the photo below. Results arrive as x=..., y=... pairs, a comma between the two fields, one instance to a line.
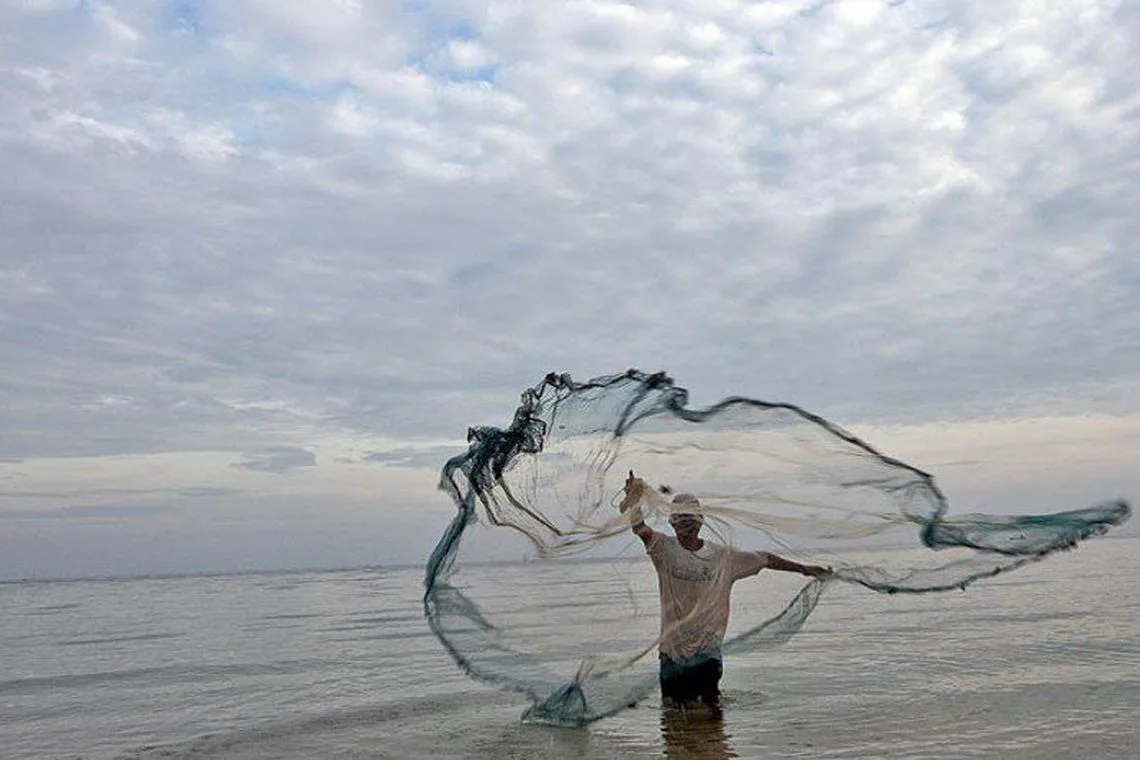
x=264, y=224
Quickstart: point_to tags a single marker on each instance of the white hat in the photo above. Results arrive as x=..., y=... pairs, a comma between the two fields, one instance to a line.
x=686, y=504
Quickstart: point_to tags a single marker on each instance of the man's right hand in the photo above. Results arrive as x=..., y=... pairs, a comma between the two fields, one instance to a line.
x=634, y=487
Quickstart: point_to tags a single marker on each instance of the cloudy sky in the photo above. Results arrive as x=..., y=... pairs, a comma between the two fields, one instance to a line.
x=263, y=262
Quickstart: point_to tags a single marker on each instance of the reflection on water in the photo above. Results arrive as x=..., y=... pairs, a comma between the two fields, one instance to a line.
x=1045, y=664
x=694, y=733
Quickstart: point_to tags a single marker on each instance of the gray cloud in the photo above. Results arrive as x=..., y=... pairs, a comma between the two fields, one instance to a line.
x=245, y=227
x=430, y=456
x=208, y=492
x=86, y=512
x=83, y=493
x=277, y=460
x=77, y=493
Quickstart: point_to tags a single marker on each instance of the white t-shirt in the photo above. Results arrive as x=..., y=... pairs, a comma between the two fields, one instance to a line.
x=695, y=587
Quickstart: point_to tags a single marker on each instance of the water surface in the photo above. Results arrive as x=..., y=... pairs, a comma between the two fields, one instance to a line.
x=1042, y=663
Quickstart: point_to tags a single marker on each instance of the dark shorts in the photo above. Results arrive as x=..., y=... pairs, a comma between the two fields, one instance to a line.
x=693, y=680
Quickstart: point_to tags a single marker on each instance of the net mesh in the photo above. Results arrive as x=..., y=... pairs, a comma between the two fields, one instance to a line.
x=576, y=627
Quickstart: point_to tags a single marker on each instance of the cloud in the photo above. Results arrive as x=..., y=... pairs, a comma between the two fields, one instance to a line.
x=249, y=227
x=208, y=492
x=278, y=460
x=83, y=513
x=432, y=457
x=84, y=493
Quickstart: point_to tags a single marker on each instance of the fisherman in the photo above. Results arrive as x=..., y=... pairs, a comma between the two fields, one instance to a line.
x=695, y=578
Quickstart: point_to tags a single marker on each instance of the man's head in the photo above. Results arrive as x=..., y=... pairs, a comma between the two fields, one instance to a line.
x=685, y=516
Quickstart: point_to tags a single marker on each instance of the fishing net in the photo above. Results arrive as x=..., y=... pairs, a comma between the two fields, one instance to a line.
x=577, y=626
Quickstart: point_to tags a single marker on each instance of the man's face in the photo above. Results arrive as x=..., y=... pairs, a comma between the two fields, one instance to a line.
x=686, y=525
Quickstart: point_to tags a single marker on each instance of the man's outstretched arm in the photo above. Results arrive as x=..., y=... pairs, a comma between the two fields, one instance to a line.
x=634, y=489
x=779, y=563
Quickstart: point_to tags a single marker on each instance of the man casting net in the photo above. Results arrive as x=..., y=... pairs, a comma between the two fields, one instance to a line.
x=766, y=487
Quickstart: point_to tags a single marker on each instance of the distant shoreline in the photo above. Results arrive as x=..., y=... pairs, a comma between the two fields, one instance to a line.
x=1118, y=536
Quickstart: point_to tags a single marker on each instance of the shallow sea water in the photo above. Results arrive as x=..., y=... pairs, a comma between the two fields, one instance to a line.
x=1041, y=663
